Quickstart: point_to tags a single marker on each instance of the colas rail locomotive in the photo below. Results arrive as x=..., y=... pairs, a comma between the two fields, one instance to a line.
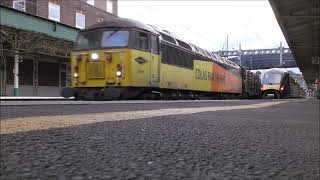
x=125, y=59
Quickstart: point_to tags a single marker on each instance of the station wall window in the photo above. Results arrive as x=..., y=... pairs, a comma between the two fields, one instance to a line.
x=90, y=2
x=80, y=21
x=48, y=74
x=19, y=5
x=25, y=72
x=63, y=75
x=54, y=12
x=109, y=6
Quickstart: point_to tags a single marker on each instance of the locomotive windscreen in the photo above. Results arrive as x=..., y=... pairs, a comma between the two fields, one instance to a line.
x=97, y=39
x=271, y=78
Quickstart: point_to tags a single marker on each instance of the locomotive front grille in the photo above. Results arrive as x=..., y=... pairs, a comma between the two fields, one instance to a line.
x=96, y=70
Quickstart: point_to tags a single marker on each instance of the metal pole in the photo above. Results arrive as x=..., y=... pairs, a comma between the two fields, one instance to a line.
x=60, y=82
x=35, y=77
x=281, y=53
x=318, y=78
x=2, y=71
x=227, y=46
x=240, y=54
x=16, y=74
x=68, y=72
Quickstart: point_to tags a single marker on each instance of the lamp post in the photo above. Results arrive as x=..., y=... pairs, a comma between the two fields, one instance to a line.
x=240, y=54
x=16, y=74
x=281, y=53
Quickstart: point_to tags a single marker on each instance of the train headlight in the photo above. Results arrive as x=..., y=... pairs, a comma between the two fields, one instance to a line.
x=94, y=56
x=282, y=88
x=119, y=73
x=76, y=75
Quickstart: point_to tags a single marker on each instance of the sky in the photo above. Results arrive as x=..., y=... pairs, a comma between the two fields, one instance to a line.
x=208, y=23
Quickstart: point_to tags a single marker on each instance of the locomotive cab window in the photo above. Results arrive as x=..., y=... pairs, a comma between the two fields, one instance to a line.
x=154, y=44
x=87, y=40
x=271, y=78
x=142, y=42
x=103, y=38
x=115, y=38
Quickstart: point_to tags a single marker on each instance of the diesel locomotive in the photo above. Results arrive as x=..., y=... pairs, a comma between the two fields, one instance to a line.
x=124, y=59
x=277, y=83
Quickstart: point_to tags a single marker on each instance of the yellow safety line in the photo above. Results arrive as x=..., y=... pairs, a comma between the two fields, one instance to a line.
x=15, y=125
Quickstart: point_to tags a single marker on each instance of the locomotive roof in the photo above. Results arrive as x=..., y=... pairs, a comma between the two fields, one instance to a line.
x=276, y=70
x=122, y=22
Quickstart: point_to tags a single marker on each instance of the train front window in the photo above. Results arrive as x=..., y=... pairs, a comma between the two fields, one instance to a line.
x=102, y=38
x=88, y=40
x=115, y=38
x=271, y=78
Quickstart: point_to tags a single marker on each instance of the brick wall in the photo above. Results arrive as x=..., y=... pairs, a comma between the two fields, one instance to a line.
x=6, y=2
x=31, y=6
x=68, y=9
x=102, y=4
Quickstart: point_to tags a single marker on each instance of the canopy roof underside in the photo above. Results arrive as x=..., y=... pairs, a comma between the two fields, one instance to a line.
x=300, y=23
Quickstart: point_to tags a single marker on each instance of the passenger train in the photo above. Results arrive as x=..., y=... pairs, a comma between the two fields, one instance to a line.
x=125, y=59
x=277, y=83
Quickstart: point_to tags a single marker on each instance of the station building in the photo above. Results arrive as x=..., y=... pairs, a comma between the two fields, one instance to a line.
x=41, y=34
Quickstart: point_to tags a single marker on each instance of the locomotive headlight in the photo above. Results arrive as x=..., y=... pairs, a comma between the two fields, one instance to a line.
x=282, y=88
x=76, y=75
x=94, y=56
x=119, y=73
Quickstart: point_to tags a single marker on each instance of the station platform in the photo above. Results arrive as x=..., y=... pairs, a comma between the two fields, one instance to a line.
x=31, y=98
x=217, y=139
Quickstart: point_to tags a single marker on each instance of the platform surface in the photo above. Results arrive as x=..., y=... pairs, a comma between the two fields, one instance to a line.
x=232, y=139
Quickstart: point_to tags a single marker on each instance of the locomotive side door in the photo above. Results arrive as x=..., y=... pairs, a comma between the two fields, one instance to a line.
x=141, y=59
x=155, y=61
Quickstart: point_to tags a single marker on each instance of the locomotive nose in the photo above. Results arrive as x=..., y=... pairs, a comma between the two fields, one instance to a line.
x=114, y=67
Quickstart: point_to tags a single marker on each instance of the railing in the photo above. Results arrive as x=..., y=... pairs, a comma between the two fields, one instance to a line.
x=253, y=51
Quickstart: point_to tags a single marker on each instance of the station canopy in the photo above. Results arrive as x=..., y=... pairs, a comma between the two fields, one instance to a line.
x=300, y=23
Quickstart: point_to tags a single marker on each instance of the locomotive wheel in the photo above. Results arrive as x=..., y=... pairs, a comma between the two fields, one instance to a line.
x=90, y=95
x=85, y=95
x=191, y=96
